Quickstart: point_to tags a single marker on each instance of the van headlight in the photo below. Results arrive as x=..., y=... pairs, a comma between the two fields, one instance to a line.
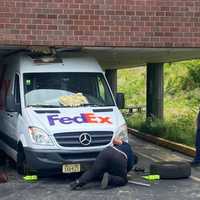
x=122, y=132
x=38, y=136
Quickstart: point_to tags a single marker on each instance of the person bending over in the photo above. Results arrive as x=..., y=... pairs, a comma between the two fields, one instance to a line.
x=111, y=166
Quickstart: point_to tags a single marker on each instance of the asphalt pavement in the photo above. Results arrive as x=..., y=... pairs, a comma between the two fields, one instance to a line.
x=57, y=188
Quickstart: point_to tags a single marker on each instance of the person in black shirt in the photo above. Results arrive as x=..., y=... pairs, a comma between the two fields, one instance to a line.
x=111, y=166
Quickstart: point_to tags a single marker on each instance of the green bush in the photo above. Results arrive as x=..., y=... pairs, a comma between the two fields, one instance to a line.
x=192, y=80
x=132, y=83
x=181, y=129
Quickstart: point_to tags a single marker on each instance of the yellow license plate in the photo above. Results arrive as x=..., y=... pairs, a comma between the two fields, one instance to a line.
x=71, y=168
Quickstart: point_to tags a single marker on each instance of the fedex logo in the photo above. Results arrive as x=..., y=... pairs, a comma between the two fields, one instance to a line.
x=83, y=118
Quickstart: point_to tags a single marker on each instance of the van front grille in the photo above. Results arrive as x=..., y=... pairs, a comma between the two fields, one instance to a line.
x=73, y=139
x=74, y=156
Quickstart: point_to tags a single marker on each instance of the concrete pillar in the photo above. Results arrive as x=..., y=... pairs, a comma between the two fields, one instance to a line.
x=155, y=88
x=111, y=76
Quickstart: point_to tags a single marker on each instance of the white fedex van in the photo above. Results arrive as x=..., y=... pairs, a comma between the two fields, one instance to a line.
x=57, y=113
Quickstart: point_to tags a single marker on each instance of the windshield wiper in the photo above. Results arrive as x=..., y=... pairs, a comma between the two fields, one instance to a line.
x=91, y=104
x=83, y=105
x=54, y=106
x=44, y=106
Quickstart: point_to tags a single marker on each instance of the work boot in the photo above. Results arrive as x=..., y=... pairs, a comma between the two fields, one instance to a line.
x=74, y=185
x=105, y=180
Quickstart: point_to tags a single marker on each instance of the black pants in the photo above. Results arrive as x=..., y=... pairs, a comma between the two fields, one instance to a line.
x=111, y=161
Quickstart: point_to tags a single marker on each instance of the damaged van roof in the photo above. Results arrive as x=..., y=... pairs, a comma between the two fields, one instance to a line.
x=74, y=64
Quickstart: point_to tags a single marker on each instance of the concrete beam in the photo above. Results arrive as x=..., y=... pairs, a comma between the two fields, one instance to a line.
x=119, y=58
x=155, y=88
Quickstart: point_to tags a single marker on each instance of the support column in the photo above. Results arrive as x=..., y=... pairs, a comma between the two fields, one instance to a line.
x=111, y=76
x=155, y=88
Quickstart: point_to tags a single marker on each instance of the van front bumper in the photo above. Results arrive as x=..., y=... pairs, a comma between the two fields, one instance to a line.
x=53, y=160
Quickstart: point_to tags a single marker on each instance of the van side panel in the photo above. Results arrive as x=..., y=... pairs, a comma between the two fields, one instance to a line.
x=8, y=137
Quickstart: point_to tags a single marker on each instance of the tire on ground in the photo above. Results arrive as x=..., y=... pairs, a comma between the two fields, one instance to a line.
x=171, y=169
x=20, y=165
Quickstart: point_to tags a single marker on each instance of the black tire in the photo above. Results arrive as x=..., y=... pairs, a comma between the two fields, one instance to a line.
x=21, y=161
x=2, y=158
x=171, y=169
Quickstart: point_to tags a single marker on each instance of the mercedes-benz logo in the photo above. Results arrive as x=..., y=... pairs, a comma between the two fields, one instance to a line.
x=85, y=139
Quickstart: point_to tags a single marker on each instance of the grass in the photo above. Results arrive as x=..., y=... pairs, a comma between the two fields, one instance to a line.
x=181, y=100
x=179, y=130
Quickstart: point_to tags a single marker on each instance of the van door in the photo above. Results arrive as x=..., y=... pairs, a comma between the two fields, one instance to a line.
x=12, y=117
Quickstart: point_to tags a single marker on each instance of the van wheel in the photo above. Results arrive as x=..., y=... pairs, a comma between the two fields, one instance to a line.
x=21, y=162
x=2, y=158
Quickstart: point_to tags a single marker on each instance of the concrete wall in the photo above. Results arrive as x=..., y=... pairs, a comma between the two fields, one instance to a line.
x=122, y=23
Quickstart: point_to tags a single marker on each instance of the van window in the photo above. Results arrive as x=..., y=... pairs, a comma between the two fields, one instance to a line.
x=47, y=89
x=17, y=89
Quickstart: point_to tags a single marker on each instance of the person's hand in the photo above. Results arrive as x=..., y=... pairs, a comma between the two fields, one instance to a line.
x=117, y=141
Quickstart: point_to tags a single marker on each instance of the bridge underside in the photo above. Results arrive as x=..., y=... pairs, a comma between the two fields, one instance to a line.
x=118, y=58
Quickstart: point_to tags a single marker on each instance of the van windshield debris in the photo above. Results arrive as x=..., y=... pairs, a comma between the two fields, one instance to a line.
x=66, y=90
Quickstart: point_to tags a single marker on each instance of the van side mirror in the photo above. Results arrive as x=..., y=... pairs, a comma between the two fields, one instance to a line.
x=11, y=105
x=120, y=100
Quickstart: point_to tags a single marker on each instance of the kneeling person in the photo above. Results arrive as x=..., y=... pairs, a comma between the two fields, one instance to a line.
x=112, y=165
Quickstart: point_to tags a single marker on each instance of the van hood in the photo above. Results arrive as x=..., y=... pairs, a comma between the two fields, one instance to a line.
x=74, y=119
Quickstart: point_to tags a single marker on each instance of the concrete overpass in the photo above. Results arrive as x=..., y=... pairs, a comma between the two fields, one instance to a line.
x=120, y=33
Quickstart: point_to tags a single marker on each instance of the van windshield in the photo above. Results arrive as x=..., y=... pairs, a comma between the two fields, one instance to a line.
x=66, y=90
